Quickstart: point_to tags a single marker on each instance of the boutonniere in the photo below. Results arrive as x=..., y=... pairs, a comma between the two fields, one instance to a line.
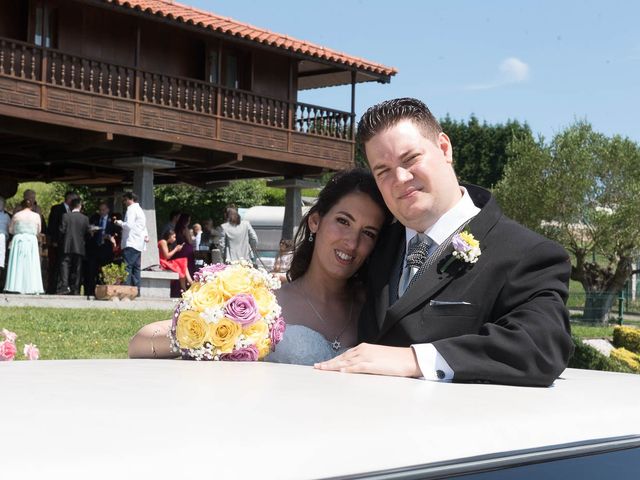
x=465, y=249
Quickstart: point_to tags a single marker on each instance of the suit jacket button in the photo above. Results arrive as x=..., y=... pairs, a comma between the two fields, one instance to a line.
x=440, y=374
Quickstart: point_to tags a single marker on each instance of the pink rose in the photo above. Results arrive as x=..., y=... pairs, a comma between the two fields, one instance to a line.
x=7, y=351
x=31, y=352
x=200, y=275
x=247, y=354
x=242, y=308
x=277, y=331
x=9, y=336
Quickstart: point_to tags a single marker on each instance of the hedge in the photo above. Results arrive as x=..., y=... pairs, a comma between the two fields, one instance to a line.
x=631, y=359
x=627, y=337
x=587, y=357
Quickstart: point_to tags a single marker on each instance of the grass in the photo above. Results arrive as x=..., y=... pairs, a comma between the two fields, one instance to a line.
x=76, y=333
x=103, y=333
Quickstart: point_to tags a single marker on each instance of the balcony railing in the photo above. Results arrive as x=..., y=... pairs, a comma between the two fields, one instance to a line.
x=53, y=67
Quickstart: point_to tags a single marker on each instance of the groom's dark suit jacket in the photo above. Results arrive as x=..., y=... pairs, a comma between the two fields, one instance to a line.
x=507, y=321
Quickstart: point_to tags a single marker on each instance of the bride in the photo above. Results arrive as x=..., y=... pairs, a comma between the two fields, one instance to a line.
x=322, y=301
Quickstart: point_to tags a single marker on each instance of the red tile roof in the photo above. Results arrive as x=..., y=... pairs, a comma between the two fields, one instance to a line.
x=185, y=14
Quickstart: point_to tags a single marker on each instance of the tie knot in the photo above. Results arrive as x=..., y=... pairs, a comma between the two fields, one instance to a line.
x=418, y=250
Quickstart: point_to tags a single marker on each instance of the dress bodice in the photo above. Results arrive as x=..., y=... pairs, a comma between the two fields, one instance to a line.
x=22, y=226
x=303, y=346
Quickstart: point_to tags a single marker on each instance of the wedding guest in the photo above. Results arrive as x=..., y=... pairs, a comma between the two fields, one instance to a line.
x=99, y=246
x=74, y=229
x=5, y=219
x=240, y=239
x=116, y=238
x=211, y=235
x=283, y=260
x=495, y=313
x=31, y=196
x=23, y=269
x=197, y=236
x=168, y=249
x=134, y=237
x=54, y=254
x=171, y=224
x=184, y=237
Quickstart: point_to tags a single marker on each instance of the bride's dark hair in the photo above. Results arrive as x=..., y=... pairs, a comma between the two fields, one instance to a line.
x=341, y=184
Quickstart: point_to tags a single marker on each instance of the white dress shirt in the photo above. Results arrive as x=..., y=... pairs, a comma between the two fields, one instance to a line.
x=431, y=363
x=134, y=228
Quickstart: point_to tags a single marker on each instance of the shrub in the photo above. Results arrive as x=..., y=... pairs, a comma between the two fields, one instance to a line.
x=632, y=360
x=627, y=337
x=587, y=357
x=114, y=274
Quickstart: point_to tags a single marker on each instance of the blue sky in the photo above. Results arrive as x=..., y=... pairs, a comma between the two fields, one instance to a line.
x=544, y=62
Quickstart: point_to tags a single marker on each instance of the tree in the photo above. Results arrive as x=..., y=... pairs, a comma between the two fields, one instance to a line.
x=203, y=204
x=582, y=190
x=480, y=149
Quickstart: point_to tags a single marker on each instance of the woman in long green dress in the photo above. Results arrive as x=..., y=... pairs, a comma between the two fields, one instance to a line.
x=23, y=269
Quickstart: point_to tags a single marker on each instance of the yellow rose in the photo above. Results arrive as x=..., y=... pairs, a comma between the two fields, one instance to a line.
x=207, y=296
x=191, y=330
x=264, y=348
x=264, y=300
x=223, y=335
x=234, y=280
x=257, y=332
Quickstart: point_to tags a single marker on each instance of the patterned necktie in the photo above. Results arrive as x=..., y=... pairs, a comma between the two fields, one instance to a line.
x=417, y=255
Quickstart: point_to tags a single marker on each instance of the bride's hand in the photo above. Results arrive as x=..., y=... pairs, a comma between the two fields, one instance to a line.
x=375, y=359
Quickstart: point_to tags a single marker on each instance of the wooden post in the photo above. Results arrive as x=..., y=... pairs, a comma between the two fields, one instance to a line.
x=353, y=104
x=43, y=79
x=290, y=105
x=219, y=92
x=138, y=81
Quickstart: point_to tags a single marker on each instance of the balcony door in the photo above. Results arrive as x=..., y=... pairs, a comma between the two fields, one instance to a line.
x=232, y=71
x=44, y=31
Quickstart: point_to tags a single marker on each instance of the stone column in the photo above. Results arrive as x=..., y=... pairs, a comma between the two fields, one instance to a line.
x=143, y=168
x=293, y=202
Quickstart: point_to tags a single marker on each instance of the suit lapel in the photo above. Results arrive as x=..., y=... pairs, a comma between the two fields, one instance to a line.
x=432, y=280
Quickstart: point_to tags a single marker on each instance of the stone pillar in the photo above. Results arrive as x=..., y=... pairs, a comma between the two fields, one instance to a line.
x=293, y=202
x=143, y=168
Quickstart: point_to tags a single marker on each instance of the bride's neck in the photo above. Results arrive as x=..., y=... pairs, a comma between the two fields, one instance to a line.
x=322, y=286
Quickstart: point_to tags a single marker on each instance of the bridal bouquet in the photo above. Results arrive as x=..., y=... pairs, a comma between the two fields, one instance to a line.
x=228, y=313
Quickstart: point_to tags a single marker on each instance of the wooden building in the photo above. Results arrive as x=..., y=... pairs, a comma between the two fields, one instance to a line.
x=113, y=92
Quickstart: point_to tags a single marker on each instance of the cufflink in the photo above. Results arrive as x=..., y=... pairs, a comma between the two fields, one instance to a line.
x=440, y=374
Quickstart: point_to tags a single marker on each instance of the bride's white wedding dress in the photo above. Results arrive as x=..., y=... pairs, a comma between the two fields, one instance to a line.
x=303, y=346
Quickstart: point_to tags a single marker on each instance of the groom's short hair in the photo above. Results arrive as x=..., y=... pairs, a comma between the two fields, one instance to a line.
x=388, y=113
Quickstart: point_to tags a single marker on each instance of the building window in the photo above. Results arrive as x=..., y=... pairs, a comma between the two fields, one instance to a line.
x=46, y=26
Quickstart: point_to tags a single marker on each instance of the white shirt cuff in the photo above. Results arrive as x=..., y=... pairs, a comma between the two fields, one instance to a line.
x=432, y=365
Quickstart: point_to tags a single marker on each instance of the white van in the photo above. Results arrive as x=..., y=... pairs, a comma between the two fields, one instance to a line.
x=267, y=222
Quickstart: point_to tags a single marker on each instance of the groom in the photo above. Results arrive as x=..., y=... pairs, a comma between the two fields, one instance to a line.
x=439, y=316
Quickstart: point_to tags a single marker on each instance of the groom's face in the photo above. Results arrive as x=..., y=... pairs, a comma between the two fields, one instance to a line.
x=414, y=173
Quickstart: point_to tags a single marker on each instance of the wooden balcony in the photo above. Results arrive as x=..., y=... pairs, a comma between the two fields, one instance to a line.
x=55, y=88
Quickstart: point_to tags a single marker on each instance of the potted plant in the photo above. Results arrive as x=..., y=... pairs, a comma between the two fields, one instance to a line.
x=113, y=276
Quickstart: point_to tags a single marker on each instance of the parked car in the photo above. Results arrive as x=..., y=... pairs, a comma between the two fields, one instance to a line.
x=267, y=222
x=167, y=419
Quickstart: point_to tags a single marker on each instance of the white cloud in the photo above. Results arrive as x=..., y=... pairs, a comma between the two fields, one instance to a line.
x=511, y=70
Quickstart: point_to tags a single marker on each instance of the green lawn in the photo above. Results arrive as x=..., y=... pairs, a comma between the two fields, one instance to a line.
x=76, y=333
x=102, y=333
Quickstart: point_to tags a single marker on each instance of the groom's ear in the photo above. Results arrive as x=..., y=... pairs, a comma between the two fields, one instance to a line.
x=314, y=222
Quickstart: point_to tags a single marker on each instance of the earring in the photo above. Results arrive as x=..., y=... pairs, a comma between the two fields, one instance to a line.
x=311, y=234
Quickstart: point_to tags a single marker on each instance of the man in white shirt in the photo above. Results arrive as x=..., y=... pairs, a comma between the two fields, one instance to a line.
x=456, y=291
x=134, y=237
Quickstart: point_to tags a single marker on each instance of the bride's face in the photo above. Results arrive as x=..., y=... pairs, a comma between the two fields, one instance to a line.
x=346, y=235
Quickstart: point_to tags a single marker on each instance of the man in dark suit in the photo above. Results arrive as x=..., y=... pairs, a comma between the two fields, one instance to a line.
x=439, y=305
x=74, y=231
x=54, y=247
x=99, y=246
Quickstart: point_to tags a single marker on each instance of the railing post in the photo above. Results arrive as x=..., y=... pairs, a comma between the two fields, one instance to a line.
x=290, y=110
x=218, y=110
x=43, y=77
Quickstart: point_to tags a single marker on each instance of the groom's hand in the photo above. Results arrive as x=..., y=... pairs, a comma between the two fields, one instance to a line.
x=375, y=359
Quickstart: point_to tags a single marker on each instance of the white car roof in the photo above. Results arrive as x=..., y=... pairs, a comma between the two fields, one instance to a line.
x=181, y=419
